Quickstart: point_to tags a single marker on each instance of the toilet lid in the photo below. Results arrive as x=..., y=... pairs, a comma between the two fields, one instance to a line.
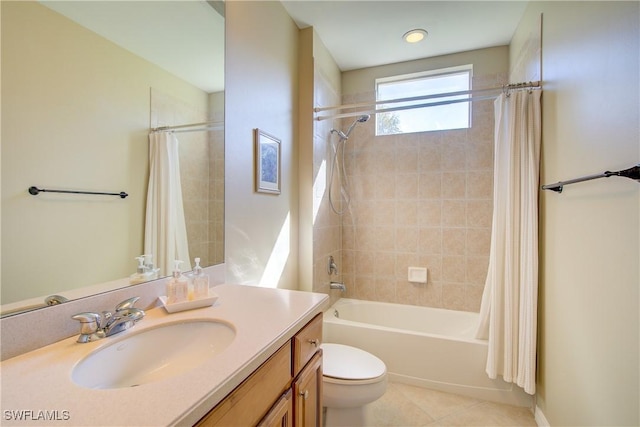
x=350, y=363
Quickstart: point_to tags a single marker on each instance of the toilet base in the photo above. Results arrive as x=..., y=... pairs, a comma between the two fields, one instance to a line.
x=345, y=417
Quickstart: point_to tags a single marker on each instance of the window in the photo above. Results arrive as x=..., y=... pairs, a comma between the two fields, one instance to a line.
x=441, y=117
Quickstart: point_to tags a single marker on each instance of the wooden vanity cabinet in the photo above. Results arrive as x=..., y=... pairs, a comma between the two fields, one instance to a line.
x=285, y=391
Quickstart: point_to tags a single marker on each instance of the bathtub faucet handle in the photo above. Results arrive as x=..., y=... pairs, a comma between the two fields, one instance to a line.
x=332, y=268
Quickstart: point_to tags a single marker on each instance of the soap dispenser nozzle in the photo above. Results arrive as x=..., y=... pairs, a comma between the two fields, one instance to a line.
x=176, y=268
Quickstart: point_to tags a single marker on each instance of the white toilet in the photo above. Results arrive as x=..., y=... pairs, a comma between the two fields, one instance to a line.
x=352, y=378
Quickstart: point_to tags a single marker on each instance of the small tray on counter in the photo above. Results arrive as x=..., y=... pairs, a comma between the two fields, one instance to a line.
x=188, y=305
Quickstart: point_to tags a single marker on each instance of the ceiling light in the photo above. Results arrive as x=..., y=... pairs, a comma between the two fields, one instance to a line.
x=414, y=36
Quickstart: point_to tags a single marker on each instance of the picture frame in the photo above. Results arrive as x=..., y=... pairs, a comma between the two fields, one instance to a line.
x=267, y=162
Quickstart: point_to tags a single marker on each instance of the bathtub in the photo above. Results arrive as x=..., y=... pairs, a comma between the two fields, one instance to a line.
x=421, y=346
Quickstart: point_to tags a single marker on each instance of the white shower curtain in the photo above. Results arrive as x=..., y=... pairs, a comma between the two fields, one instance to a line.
x=508, y=314
x=165, y=232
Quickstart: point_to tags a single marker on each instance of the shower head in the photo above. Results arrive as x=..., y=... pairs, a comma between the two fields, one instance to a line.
x=360, y=119
x=345, y=135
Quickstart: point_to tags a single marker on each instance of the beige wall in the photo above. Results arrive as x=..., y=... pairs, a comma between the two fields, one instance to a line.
x=53, y=70
x=421, y=199
x=305, y=158
x=261, y=92
x=588, y=313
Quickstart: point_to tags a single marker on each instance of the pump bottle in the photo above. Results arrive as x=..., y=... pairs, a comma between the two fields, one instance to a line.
x=200, y=282
x=178, y=286
x=148, y=264
x=142, y=274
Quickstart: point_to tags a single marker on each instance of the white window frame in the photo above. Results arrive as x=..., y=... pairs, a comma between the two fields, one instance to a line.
x=419, y=76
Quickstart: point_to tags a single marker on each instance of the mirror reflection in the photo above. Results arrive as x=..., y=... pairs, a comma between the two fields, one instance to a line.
x=84, y=83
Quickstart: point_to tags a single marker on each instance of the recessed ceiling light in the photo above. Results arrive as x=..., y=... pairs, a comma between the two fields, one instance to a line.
x=414, y=36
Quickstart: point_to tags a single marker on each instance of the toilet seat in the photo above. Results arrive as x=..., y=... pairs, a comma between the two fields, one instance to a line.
x=342, y=364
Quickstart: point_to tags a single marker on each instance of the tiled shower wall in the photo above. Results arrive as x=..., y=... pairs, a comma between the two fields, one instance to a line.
x=421, y=200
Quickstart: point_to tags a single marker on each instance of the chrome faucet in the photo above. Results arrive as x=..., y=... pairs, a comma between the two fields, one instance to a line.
x=94, y=326
x=337, y=285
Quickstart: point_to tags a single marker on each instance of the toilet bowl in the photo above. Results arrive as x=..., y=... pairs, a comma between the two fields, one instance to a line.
x=352, y=378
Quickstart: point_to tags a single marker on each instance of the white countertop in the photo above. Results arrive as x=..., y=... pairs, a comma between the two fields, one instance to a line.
x=39, y=384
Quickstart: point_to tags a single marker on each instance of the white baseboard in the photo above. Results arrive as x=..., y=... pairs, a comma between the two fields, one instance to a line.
x=541, y=420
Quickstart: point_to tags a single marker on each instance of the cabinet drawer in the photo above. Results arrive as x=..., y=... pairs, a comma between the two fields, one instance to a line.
x=252, y=399
x=306, y=343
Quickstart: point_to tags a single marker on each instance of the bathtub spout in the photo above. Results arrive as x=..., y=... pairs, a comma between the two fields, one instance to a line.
x=337, y=285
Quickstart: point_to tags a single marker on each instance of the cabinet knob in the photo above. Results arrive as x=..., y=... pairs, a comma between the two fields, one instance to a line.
x=314, y=342
x=304, y=394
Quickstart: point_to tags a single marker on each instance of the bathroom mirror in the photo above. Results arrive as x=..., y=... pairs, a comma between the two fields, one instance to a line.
x=82, y=85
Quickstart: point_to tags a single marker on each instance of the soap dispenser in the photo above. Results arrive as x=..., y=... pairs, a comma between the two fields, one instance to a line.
x=200, y=282
x=140, y=275
x=148, y=264
x=178, y=286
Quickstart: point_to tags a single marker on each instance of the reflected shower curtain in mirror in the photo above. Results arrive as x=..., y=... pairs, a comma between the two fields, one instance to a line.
x=165, y=232
x=508, y=313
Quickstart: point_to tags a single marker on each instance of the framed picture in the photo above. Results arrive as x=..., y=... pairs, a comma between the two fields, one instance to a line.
x=267, y=162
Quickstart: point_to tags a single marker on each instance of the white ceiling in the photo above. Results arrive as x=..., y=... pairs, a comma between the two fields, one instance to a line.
x=361, y=33
x=186, y=38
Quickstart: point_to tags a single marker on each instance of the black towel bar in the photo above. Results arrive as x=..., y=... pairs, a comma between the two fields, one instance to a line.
x=631, y=173
x=35, y=190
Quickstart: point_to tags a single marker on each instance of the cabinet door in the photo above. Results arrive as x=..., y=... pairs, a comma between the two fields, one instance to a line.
x=252, y=399
x=307, y=394
x=281, y=414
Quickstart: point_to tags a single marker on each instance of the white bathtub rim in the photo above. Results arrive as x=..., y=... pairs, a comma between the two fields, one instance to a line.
x=345, y=301
x=330, y=317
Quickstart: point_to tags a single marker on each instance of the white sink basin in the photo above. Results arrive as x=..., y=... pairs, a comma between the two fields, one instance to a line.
x=153, y=354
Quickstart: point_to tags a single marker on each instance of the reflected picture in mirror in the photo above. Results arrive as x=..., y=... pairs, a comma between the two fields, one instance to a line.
x=82, y=89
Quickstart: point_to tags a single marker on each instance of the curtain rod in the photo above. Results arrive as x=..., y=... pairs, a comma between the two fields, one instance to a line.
x=405, y=107
x=208, y=125
x=217, y=127
x=529, y=85
x=535, y=84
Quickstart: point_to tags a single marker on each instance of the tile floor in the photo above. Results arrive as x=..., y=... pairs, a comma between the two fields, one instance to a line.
x=405, y=405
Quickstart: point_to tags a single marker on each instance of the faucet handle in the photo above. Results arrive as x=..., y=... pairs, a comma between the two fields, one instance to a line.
x=89, y=325
x=88, y=320
x=331, y=266
x=128, y=303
